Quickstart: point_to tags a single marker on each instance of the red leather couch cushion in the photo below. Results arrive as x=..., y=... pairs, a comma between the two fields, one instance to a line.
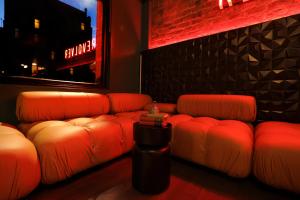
x=19, y=164
x=277, y=154
x=128, y=102
x=224, y=145
x=41, y=106
x=236, y=107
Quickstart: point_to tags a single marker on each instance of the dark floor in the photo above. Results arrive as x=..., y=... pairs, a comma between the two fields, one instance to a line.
x=112, y=181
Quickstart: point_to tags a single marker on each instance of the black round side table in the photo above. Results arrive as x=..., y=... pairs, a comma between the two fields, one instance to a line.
x=151, y=161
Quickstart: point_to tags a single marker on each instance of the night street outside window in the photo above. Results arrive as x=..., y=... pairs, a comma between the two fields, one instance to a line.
x=53, y=39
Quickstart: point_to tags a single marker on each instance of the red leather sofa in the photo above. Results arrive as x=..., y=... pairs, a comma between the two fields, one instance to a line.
x=277, y=155
x=214, y=131
x=75, y=131
x=19, y=164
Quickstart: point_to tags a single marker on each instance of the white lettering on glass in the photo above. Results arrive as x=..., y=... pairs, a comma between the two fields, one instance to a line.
x=80, y=49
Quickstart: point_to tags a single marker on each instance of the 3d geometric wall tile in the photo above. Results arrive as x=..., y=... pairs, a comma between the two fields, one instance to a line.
x=262, y=60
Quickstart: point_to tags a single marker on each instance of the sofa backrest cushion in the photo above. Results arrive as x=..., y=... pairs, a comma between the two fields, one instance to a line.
x=236, y=107
x=128, y=102
x=41, y=106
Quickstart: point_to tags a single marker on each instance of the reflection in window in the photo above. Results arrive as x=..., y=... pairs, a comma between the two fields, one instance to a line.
x=60, y=49
x=35, y=37
x=34, y=69
x=36, y=23
x=17, y=33
x=71, y=71
x=52, y=55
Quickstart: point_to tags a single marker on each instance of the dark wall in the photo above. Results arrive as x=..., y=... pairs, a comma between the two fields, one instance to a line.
x=124, y=71
x=125, y=45
x=262, y=60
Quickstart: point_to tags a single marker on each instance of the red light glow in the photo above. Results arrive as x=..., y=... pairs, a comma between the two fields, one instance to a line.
x=226, y=3
x=171, y=23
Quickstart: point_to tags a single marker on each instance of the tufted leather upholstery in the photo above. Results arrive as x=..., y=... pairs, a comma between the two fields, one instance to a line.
x=225, y=145
x=19, y=164
x=72, y=131
x=277, y=153
x=68, y=147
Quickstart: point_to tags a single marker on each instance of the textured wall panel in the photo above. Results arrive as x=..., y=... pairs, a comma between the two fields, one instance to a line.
x=262, y=60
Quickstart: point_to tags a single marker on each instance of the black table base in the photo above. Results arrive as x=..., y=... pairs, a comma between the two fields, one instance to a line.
x=151, y=169
x=151, y=158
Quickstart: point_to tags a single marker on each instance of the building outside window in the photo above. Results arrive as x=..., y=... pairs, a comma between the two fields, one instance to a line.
x=82, y=26
x=59, y=46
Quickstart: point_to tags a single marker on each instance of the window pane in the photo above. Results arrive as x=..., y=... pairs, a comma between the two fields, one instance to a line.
x=54, y=39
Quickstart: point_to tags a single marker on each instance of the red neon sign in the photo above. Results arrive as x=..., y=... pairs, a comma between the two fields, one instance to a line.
x=227, y=3
x=80, y=49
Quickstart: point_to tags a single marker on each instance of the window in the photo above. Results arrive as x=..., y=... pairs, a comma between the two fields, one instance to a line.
x=82, y=26
x=36, y=23
x=59, y=50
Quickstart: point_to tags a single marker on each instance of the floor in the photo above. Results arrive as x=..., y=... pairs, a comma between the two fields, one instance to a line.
x=112, y=181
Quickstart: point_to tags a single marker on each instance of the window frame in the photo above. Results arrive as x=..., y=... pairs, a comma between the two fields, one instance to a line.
x=105, y=64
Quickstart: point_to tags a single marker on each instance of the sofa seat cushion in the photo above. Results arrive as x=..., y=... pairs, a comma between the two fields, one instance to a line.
x=277, y=154
x=68, y=147
x=224, y=145
x=175, y=119
x=19, y=164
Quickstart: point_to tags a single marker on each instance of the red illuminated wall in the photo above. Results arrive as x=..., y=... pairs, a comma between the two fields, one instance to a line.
x=99, y=39
x=172, y=21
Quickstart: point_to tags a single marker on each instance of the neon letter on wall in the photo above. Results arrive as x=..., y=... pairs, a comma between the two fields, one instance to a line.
x=225, y=3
